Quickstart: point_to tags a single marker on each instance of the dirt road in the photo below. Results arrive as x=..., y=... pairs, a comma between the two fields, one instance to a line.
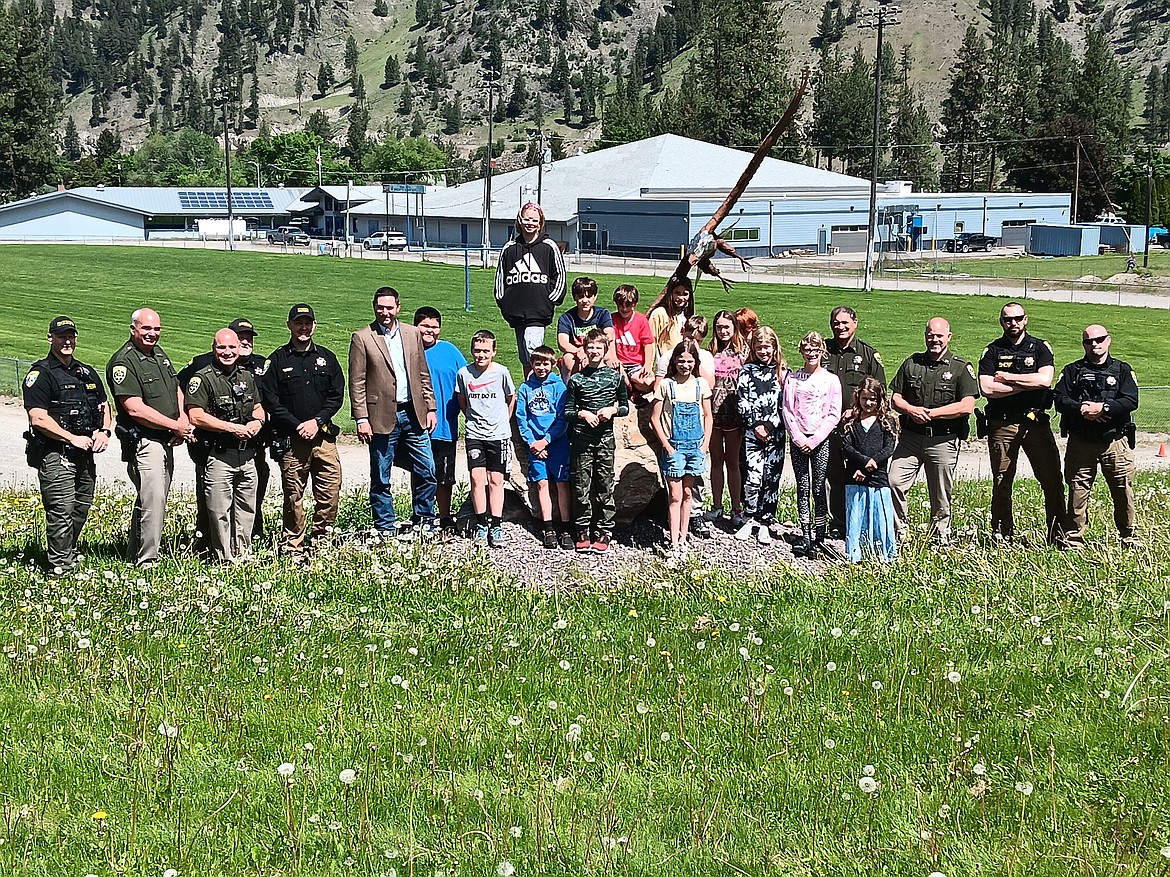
x=14, y=472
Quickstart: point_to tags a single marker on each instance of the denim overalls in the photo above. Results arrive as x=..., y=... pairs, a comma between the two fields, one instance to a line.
x=686, y=434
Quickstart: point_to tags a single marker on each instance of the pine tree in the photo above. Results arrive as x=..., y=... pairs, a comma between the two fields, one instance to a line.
x=393, y=72
x=560, y=71
x=963, y=113
x=356, y=141
x=826, y=32
x=72, y=142
x=318, y=125
x=381, y=9
x=453, y=116
x=417, y=125
x=359, y=88
x=406, y=101
x=351, y=56
x=518, y=100
x=324, y=79
x=299, y=87
x=252, y=113
x=1153, y=104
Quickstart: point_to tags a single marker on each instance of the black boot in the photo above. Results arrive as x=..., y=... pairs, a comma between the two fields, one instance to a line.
x=803, y=545
x=818, y=545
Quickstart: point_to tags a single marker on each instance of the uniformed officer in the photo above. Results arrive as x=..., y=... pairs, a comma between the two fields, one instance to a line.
x=850, y=359
x=223, y=403
x=303, y=388
x=150, y=423
x=935, y=393
x=1015, y=376
x=253, y=362
x=69, y=422
x=1096, y=397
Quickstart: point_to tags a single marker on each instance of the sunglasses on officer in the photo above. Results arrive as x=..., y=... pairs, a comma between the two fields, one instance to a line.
x=1100, y=339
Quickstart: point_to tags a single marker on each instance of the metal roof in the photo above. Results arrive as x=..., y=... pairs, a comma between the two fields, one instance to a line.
x=667, y=166
x=164, y=201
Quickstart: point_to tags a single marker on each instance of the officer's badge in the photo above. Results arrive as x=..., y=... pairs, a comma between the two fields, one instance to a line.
x=194, y=384
x=320, y=362
x=857, y=359
x=1110, y=380
x=118, y=373
x=877, y=356
x=32, y=377
x=82, y=372
x=971, y=370
x=267, y=363
x=947, y=376
x=1029, y=361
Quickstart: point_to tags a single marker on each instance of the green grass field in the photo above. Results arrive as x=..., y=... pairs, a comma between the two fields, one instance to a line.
x=198, y=291
x=964, y=711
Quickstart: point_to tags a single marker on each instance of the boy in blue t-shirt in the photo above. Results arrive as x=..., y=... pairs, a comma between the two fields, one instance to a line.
x=575, y=324
x=540, y=418
x=444, y=360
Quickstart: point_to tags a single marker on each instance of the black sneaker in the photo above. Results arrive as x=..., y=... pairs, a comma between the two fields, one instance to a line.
x=566, y=541
x=550, y=539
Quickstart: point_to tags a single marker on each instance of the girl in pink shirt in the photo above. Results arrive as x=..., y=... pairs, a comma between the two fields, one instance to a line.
x=812, y=409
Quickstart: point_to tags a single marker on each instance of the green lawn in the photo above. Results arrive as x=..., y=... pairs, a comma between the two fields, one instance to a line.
x=1059, y=268
x=963, y=711
x=198, y=291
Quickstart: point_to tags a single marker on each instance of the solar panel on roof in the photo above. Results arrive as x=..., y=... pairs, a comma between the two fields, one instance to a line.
x=217, y=200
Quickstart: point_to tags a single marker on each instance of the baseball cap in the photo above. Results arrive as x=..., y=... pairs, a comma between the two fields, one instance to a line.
x=242, y=326
x=62, y=326
x=301, y=310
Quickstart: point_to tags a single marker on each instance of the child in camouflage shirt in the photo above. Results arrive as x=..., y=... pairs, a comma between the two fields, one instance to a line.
x=595, y=396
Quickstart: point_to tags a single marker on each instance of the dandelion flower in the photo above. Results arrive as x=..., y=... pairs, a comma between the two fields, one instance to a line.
x=877, y=686
x=100, y=815
x=936, y=874
x=84, y=643
x=733, y=627
x=564, y=665
x=651, y=642
x=515, y=721
x=979, y=769
x=574, y=733
x=515, y=831
x=170, y=872
x=830, y=743
x=1166, y=852
x=831, y=667
x=976, y=609
x=868, y=770
x=552, y=705
x=286, y=769
x=836, y=632
x=868, y=785
x=167, y=730
x=664, y=737
x=347, y=776
x=642, y=709
x=1024, y=788
x=700, y=645
x=954, y=677
x=743, y=652
x=587, y=757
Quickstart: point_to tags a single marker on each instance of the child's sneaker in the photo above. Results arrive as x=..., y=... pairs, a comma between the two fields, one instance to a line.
x=700, y=527
x=566, y=541
x=550, y=539
x=496, y=537
x=601, y=543
x=583, y=545
x=481, y=534
x=764, y=537
x=744, y=533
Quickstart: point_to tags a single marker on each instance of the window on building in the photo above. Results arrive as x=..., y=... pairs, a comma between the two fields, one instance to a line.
x=1017, y=223
x=848, y=228
x=743, y=234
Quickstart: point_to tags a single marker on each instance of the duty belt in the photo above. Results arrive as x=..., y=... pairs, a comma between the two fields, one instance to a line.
x=1019, y=417
x=926, y=429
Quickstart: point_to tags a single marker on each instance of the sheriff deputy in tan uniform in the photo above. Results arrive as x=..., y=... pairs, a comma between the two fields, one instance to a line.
x=934, y=393
x=224, y=406
x=150, y=423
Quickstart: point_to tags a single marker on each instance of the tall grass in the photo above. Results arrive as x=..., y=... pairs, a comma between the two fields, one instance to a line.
x=412, y=710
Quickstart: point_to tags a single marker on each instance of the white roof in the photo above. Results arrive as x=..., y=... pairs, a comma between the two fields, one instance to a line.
x=164, y=201
x=667, y=166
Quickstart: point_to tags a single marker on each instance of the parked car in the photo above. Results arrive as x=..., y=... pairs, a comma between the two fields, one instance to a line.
x=1163, y=240
x=385, y=240
x=972, y=240
x=288, y=234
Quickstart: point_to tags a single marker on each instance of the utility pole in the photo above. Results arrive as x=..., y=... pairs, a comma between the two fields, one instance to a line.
x=540, y=172
x=882, y=12
x=487, y=179
x=1149, y=202
x=227, y=163
x=1076, y=180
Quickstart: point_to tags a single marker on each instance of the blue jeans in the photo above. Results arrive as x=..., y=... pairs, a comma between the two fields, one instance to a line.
x=414, y=442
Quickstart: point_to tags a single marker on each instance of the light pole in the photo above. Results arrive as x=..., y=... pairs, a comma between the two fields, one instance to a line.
x=1149, y=202
x=885, y=15
x=257, y=172
x=487, y=180
x=386, y=188
x=227, y=163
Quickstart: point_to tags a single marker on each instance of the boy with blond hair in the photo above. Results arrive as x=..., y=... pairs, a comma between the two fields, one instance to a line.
x=540, y=420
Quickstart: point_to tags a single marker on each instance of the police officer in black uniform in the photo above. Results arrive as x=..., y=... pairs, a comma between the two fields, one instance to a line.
x=1096, y=397
x=850, y=359
x=69, y=421
x=1015, y=376
x=246, y=333
x=303, y=388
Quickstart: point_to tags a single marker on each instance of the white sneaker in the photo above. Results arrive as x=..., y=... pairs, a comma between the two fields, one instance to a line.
x=764, y=537
x=744, y=533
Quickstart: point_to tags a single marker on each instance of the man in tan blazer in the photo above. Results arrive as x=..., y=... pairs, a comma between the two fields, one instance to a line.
x=394, y=407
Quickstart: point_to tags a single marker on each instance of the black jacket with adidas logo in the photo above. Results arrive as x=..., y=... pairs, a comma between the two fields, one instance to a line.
x=530, y=281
